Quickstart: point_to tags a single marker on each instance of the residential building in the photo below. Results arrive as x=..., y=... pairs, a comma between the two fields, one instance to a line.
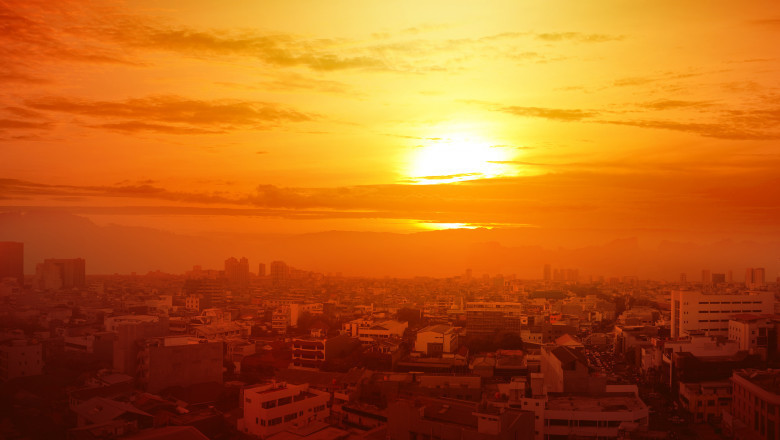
x=277, y=406
x=447, y=419
x=754, y=412
x=178, y=361
x=437, y=339
x=20, y=358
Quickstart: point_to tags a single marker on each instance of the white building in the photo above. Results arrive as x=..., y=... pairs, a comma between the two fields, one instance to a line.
x=563, y=415
x=277, y=406
x=384, y=329
x=710, y=312
x=437, y=339
x=20, y=358
x=753, y=333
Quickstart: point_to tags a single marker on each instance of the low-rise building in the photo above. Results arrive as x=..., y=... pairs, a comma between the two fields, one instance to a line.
x=20, y=358
x=437, y=339
x=278, y=406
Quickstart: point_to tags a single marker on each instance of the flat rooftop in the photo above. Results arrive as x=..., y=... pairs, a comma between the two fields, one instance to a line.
x=612, y=402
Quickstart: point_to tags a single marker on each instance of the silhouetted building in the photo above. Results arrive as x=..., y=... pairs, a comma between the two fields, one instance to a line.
x=718, y=278
x=19, y=358
x=261, y=270
x=547, y=272
x=60, y=273
x=755, y=277
x=280, y=272
x=178, y=361
x=237, y=272
x=456, y=420
x=487, y=317
x=12, y=261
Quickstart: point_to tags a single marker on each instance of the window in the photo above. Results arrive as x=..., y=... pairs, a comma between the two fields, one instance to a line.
x=285, y=400
x=269, y=404
x=291, y=416
x=275, y=421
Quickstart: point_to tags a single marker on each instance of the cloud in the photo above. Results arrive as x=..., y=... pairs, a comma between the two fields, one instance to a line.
x=548, y=113
x=665, y=104
x=173, y=114
x=713, y=130
x=577, y=37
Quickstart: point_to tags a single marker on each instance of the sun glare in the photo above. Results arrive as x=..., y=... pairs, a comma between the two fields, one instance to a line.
x=442, y=226
x=455, y=159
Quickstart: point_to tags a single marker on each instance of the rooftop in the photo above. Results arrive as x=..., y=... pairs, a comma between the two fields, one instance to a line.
x=769, y=380
x=612, y=402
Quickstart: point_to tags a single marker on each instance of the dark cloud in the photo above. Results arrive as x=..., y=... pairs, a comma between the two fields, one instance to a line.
x=173, y=114
x=547, y=113
x=713, y=130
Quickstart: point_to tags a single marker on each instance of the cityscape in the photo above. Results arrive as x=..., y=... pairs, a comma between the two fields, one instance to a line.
x=372, y=220
x=267, y=350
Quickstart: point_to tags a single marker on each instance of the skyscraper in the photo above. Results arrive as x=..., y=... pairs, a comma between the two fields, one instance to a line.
x=60, y=273
x=12, y=260
x=237, y=272
x=755, y=277
x=279, y=272
x=547, y=272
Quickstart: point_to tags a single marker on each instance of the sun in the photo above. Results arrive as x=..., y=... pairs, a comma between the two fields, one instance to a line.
x=454, y=159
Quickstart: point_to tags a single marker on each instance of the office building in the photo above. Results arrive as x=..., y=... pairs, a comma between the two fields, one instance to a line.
x=709, y=313
x=486, y=317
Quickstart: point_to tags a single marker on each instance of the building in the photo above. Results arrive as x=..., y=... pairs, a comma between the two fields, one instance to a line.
x=383, y=330
x=486, y=317
x=237, y=272
x=705, y=400
x=756, y=402
x=12, y=261
x=755, y=333
x=178, y=361
x=279, y=272
x=589, y=416
x=130, y=331
x=755, y=277
x=437, y=339
x=60, y=273
x=20, y=358
x=697, y=311
x=278, y=406
x=426, y=418
x=313, y=352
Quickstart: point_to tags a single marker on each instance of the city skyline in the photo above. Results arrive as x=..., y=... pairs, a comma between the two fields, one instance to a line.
x=580, y=124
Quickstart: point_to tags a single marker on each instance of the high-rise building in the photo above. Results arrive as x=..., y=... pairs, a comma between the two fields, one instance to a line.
x=547, y=272
x=487, y=317
x=261, y=270
x=755, y=277
x=709, y=313
x=706, y=277
x=279, y=272
x=60, y=273
x=683, y=278
x=718, y=278
x=12, y=261
x=237, y=272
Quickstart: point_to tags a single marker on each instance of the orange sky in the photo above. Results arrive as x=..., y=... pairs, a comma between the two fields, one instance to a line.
x=303, y=116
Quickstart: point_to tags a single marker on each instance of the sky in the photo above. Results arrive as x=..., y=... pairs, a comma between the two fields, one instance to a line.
x=654, y=119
